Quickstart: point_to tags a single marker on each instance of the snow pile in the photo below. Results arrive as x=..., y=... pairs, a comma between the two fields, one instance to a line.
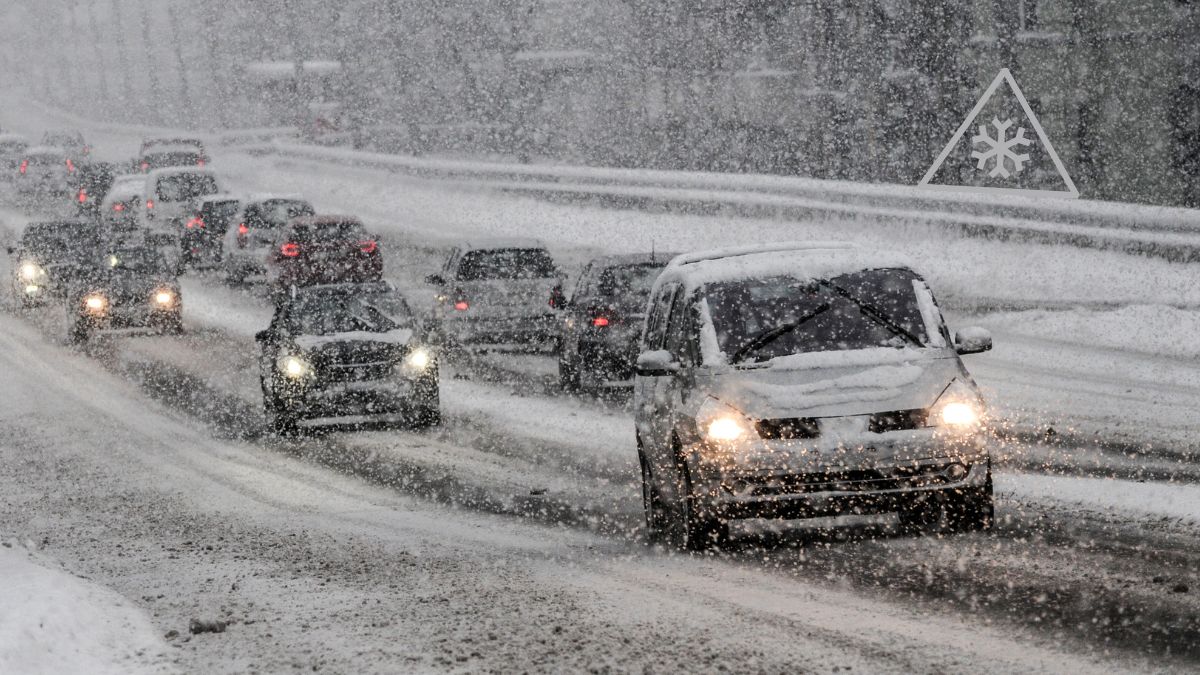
x=1163, y=500
x=1152, y=329
x=53, y=622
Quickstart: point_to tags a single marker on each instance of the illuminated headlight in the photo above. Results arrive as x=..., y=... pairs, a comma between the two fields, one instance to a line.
x=164, y=298
x=721, y=423
x=293, y=367
x=416, y=362
x=958, y=408
x=95, y=302
x=31, y=271
x=32, y=289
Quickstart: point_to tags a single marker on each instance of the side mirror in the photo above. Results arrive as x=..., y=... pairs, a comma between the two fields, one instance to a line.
x=264, y=336
x=11, y=250
x=435, y=280
x=972, y=340
x=656, y=363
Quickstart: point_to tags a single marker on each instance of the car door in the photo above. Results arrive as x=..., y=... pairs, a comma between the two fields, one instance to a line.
x=575, y=321
x=650, y=417
x=677, y=393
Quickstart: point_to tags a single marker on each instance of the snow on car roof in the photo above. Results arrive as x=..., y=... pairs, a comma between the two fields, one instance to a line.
x=256, y=197
x=502, y=242
x=8, y=138
x=178, y=171
x=808, y=260
x=46, y=150
x=633, y=259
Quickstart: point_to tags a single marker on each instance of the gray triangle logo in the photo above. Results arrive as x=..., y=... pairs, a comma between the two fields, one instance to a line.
x=999, y=153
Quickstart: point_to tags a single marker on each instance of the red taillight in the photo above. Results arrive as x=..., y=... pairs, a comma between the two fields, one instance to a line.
x=145, y=166
x=462, y=305
x=24, y=165
x=600, y=321
x=243, y=230
x=149, y=203
x=557, y=299
x=118, y=207
x=82, y=196
x=290, y=250
x=194, y=223
x=199, y=162
x=368, y=246
x=70, y=166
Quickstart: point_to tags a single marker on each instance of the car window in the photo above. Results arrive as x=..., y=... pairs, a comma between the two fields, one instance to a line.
x=276, y=212
x=328, y=232
x=185, y=186
x=506, y=263
x=583, y=285
x=656, y=323
x=330, y=313
x=681, y=329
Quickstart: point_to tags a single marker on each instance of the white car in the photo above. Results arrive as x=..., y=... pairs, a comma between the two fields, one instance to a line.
x=121, y=205
x=44, y=173
x=168, y=194
x=12, y=147
x=804, y=380
x=252, y=235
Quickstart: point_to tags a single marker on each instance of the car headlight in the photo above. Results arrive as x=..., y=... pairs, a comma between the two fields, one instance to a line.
x=32, y=289
x=721, y=423
x=959, y=407
x=164, y=298
x=95, y=302
x=416, y=362
x=293, y=367
x=31, y=271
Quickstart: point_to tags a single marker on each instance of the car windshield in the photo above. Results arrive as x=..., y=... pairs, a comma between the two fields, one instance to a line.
x=217, y=213
x=144, y=260
x=630, y=283
x=46, y=160
x=184, y=186
x=60, y=242
x=330, y=313
x=276, y=212
x=761, y=319
x=506, y=263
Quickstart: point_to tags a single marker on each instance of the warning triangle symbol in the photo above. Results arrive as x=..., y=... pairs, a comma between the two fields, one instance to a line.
x=1000, y=155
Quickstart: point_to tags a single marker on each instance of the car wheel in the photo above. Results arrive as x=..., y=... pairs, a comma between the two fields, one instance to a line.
x=974, y=511
x=568, y=376
x=280, y=420
x=920, y=518
x=698, y=531
x=234, y=276
x=81, y=331
x=656, y=518
x=427, y=417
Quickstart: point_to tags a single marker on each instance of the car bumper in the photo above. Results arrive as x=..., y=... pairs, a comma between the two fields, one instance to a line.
x=519, y=330
x=366, y=399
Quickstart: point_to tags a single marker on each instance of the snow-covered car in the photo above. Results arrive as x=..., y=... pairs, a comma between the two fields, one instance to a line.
x=205, y=227
x=324, y=249
x=71, y=142
x=603, y=320
x=92, y=182
x=121, y=204
x=505, y=292
x=252, y=235
x=12, y=148
x=157, y=153
x=168, y=193
x=126, y=287
x=44, y=176
x=346, y=354
x=804, y=380
x=50, y=256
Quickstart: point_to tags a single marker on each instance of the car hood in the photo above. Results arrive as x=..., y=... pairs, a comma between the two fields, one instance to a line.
x=356, y=341
x=858, y=383
x=125, y=284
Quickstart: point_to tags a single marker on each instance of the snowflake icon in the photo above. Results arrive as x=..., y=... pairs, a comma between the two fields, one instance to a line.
x=1000, y=148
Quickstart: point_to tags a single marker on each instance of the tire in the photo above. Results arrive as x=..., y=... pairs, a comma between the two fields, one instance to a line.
x=427, y=417
x=657, y=519
x=81, y=332
x=921, y=518
x=568, y=376
x=974, y=511
x=172, y=326
x=280, y=421
x=697, y=531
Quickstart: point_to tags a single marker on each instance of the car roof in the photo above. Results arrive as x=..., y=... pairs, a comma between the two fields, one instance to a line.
x=632, y=259
x=487, y=243
x=173, y=140
x=259, y=197
x=805, y=259
x=220, y=197
x=63, y=224
x=324, y=219
x=179, y=170
x=46, y=150
x=171, y=148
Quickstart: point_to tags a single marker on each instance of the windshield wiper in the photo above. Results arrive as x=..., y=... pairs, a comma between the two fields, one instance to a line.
x=874, y=313
x=766, y=337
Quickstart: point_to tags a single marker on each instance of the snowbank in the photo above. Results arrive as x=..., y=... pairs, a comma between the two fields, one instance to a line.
x=53, y=622
x=1165, y=500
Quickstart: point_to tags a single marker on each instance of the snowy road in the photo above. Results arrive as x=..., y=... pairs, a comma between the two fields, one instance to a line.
x=511, y=537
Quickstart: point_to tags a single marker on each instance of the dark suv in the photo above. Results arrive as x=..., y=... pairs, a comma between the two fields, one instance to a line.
x=346, y=354
x=604, y=318
x=50, y=256
x=128, y=287
x=323, y=250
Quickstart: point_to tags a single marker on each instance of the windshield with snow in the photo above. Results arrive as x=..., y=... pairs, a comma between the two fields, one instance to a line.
x=508, y=263
x=331, y=313
x=631, y=283
x=275, y=212
x=760, y=319
x=185, y=186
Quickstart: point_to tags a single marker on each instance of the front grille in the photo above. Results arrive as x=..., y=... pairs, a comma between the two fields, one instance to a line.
x=858, y=480
x=357, y=372
x=898, y=420
x=787, y=428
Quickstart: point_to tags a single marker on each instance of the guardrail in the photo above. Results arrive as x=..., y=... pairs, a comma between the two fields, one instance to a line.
x=1168, y=233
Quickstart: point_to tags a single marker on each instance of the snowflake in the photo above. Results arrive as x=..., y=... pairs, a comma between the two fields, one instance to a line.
x=1000, y=148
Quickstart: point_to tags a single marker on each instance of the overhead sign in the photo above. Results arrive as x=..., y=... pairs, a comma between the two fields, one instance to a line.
x=1001, y=157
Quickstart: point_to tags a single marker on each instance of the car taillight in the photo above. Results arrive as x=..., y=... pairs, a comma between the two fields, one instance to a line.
x=243, y=230
x=199, y=162
x=557, y=299
x=82, y=196
x=149, y=203
x=462, y=305
x=290, y=250
x=600, y=321
x=70, y=166
x=118, y=207
x=145, y=166
x=194, y=223
x=368, y=246
x=24, y=165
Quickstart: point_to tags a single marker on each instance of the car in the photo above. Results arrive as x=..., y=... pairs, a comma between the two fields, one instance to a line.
x=803, y=380
x=499, y=292
x=161, y=157
x=119, y=209
x=346, y=354
x=71, y=142
x=168, y=193
x=200, y=240
x=193, y=145
x=125, y=287
x=12, y=149
x=323, y=249
x=602, y=322
x=45, y=176
x=247, y=245
x=92, y=183
x=50, y=256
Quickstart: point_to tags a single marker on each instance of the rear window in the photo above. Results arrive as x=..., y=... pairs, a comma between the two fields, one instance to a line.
x=185, y=186
x=60, y=240
x=276, y=212
x=46, y=160
x=219, y=213
x=631, y=282
x=506, y=263
x=342, y=231
x=12, y=146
